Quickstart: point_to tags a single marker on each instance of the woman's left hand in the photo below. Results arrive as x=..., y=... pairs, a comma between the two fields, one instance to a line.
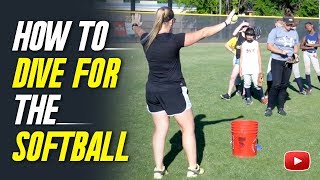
x=228, y=20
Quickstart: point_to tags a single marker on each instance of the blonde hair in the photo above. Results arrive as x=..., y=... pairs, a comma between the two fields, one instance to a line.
x=163, y=15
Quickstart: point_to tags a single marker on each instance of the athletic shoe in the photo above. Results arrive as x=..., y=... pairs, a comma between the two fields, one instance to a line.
x=225, y=96
x=309, y=91
x=282, y=112
x=158, y=174
x=238, y=93
x=303, y=92
x=194, y=172
x=268, y=112
x=264, y=100
x=248, y=101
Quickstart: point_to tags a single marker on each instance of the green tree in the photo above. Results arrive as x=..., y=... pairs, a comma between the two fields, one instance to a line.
x=266, y=8
x=307, y=8
x=165, y=1
x=203, y=6
x=212, y=6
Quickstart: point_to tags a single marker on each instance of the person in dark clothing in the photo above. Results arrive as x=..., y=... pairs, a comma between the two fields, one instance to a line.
x=166, y=91
x=283, y=42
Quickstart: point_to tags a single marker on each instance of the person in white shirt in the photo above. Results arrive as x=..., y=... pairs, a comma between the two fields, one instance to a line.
x=250, y=66
x=235, y=78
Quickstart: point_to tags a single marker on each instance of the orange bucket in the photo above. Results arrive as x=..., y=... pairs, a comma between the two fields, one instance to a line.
x=244, y=138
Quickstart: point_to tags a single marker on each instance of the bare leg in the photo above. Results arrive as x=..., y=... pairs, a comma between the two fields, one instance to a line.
x=186, y=123
x=161, y=126
x=234, y=74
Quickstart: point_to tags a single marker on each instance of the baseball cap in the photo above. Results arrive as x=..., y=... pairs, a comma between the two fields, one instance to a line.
x=288, y=20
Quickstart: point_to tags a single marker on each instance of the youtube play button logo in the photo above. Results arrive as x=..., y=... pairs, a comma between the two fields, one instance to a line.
x=297, y=160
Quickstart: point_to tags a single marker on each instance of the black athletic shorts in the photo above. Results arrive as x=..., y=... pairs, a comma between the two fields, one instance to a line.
x=171, y=99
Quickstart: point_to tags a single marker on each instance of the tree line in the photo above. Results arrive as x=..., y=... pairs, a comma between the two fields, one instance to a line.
x=301, y=8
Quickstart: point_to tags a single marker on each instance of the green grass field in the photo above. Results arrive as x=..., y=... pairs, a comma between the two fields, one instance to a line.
x=206, y=68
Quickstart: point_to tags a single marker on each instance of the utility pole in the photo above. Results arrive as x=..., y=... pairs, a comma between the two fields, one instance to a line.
x=170, y=3
x=133, y=5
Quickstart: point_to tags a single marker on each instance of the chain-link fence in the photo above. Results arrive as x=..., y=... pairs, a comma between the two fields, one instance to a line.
x=120, y=26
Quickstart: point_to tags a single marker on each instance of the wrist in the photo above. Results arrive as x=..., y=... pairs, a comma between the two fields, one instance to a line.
x=134, y=24
x=226, y=23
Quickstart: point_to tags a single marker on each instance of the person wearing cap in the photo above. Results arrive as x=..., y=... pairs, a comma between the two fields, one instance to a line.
x=250, y=65
x=309, y=45
x=295, y=67
x=235, y=79
x=283, y=42
x=166, y=91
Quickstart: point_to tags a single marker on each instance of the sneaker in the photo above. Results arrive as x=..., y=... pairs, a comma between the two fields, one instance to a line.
x=264, y=100
x=194, y=172
x=248, y=101
x=309, y=91
x=225, y=96
x=282, y=112
x=303, y=92
x=158, y=174
x=238, y=93
x=268, y=112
